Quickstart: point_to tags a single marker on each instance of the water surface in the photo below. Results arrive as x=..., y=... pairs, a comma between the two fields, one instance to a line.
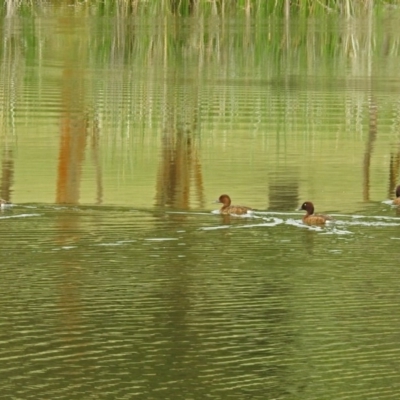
x=119, y=280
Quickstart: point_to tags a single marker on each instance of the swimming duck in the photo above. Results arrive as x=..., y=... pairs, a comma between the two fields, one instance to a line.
x=396, y=201
x=228, y=209
x=313, y=219
x=5, y=204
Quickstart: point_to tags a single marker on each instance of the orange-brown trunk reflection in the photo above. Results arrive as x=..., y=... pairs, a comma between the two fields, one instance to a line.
x=74, y=127
x=73, y=139
x=394, y=172
x=180, y=164
x=179, y=167
x=7, y=175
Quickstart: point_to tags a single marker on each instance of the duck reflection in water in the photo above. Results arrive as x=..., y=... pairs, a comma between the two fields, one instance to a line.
x=396, y=201
x=313, y=219
x=228, y=209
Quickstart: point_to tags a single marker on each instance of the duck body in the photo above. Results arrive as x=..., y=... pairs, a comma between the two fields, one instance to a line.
x=313, y=219
x=396, y=201
x=5, y=204
x=228, y=209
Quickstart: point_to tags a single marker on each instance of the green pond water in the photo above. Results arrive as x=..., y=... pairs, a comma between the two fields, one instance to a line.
x=119, y=278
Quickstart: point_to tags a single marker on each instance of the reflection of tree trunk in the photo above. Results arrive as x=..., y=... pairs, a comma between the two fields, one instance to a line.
x=180, y=159
x=369, y=148
x=283, y=191
x=71, y=156
x=198, y=177
x=73, y=142
x=179, y=165
x=283, y=196
x=96, y=161
x=372, y=111
x=7, y=174
x=394, y=172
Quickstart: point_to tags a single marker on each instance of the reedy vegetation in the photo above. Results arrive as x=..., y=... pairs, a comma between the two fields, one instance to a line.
x=275, y=40
x=194, y=46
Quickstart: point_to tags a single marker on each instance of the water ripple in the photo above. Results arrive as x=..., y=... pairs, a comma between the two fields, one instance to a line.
x=195, y=307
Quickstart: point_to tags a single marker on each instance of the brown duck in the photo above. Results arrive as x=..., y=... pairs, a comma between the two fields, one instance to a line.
x=228, y=209
x=313, y=219
x=396, y=201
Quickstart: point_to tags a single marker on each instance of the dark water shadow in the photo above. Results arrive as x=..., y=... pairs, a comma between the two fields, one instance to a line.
x=7, y=175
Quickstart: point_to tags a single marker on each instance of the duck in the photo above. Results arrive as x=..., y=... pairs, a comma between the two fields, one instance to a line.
x=313, y=219
x=5, y=204
x=228, y=209
x=396, y=201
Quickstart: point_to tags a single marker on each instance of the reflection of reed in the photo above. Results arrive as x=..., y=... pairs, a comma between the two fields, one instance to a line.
x=74, y=127
x=369, y=148
x=180, y=160
x=308, y=237
x=132, y=49
x=7, y=173
x=96, y=160
x=71, y=156
x=394, y=172
x=283, y=191
x=11, y=79
x=179, y=166
x=69, y=304
x=74, y=135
